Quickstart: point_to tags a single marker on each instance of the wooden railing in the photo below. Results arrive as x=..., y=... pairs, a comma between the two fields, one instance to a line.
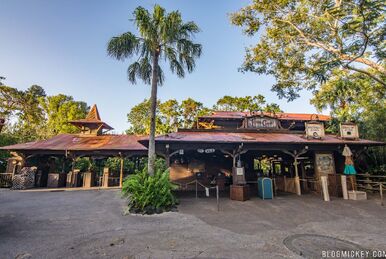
x=372, y=183
x=5, y=180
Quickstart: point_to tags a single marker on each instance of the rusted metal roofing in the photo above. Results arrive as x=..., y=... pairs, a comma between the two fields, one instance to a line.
x=78, y=142
x=280, y=116
x=252, y=137
x=92, y=118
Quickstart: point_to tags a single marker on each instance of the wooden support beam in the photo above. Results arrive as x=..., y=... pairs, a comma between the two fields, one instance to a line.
x=121, y=171
x=295, y=155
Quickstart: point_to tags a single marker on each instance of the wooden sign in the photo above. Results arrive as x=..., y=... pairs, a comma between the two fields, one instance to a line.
x=324, y=163
x=314, y=130
x=349, y=131
x=261, y=122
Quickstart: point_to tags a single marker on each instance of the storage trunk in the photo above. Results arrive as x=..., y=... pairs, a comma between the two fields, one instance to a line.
x=239, y=192
x=56, y=180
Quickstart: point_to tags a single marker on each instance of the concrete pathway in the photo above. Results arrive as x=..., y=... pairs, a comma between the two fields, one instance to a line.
x=91, y=224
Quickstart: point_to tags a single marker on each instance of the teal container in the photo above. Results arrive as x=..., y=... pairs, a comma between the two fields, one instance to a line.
x=265, y=188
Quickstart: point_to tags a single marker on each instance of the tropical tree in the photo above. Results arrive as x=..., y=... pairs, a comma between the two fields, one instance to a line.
x=23, y=108
x=354, y=97
x=161, y=35
x=190, y=110
x=139, y=118
x=58, y=110
x=302, y=42
x=170, y=119
x=32, y=115
x=246, y=103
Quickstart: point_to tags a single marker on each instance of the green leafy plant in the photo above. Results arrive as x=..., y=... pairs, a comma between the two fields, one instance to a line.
x=149, y=194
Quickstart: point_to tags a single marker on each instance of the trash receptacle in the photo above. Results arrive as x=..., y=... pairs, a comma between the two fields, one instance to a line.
x=265, y=188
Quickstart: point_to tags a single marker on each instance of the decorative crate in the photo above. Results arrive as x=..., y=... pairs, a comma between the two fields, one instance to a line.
x=56, y=180
x=357, y=195
x=239, y=192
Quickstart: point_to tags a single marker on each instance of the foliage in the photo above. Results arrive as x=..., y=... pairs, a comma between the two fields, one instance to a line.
x=5, y=140
x=172, y=115
x=161, y=34
x=139, y=118
x=302, y=42
x=247, y=103
x=24, y=107
x=114, y=164
x=32, y=115
x=164, y=36
x=83, y=164
x=190, y=110
x=59, y=109
x=355, y=97
x=149, y=193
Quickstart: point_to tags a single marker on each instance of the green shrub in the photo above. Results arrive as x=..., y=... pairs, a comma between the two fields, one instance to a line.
x=149, y=194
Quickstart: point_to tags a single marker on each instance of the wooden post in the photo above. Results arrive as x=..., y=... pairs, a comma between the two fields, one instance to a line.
x=121, y=173
x=196, y=190
x=344, y=186
x=326, y=195
x=217, y=195
x=297, y=179
x=381, y=192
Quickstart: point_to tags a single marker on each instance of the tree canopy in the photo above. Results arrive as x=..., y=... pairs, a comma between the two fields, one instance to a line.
x=172, y=115
x=355, y=97
x=247, y=103
x=302, y=42
x=31, y=114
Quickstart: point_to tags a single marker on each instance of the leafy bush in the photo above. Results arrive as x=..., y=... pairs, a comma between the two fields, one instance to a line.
x=149, y=194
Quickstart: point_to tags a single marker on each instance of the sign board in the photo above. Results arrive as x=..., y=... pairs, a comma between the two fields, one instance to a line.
x=324, y=163
x=314, y=130
x=349, y=131
x=261, y=122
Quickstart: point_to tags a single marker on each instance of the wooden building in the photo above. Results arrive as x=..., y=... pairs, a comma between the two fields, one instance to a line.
x=93, y=141
x=291, y=148
x=221, y=149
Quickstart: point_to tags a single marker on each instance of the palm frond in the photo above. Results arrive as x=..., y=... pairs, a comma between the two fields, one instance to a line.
x=123, y=46
x=133, y=72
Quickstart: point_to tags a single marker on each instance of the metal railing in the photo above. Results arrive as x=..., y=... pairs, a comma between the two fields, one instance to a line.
x=197, y=183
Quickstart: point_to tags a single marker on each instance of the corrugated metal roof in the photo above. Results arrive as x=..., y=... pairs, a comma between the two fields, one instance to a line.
x=83, y=143
x=252, y=137
x=280, y=116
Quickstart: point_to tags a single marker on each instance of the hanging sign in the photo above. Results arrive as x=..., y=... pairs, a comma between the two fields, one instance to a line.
x=324, y=163
x=314, y=130
x=259, y=122
x=349, y=131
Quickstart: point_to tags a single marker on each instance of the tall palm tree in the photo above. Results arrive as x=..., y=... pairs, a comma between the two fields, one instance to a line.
x=161, y=36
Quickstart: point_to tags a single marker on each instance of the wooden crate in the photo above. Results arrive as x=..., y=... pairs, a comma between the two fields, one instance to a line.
x=239, y=192
x=357, y=195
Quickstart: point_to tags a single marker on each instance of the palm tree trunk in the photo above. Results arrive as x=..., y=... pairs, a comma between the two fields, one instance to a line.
x=153, y=108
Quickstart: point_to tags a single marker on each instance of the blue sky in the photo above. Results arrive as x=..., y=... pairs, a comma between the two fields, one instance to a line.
x=61, y=46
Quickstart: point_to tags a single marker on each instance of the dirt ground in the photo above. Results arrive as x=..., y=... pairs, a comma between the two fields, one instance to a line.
x=91, y=224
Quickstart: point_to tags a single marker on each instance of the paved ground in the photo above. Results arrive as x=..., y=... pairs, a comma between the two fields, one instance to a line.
x=90, y=224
